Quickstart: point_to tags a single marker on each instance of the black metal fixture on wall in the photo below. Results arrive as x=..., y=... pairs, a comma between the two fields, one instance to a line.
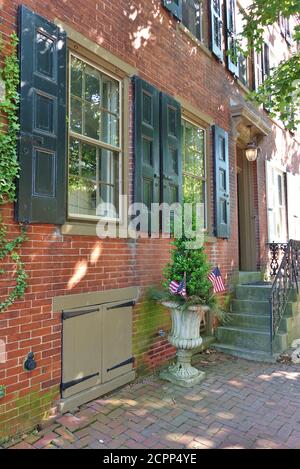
x=30, y=363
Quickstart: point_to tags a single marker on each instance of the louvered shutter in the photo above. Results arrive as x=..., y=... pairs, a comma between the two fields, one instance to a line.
x=222, y=189
x=171, y=153
x=146, y=146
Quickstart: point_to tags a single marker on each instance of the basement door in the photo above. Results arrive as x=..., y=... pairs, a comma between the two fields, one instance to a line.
x=97, y=346
x=246, y=213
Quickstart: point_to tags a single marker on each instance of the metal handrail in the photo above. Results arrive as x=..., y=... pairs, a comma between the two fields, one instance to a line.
x=285, y=280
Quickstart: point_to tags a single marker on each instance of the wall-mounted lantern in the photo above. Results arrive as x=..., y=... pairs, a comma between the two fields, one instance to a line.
x=252, y=148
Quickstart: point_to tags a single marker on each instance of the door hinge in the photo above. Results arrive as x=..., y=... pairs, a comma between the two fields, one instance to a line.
x=73, y=314
x=126, y=362
x=123, y=305
x=69, y=384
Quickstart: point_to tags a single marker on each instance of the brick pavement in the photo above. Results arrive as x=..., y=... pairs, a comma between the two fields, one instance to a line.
x=241, y=404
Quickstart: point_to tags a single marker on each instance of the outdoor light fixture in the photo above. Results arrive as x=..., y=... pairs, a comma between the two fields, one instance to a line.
x=251, y=150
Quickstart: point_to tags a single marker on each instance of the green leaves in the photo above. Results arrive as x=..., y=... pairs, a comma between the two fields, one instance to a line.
x=193, y=263
x=9, y=170
x=9, y=166
x=280, y=92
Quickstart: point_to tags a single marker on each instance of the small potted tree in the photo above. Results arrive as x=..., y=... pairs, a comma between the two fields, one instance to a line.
x=188, y=295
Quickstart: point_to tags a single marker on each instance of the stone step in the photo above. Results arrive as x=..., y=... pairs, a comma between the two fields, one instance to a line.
x=245, y=353
x=256, y=292
x=259, y=307
x=261, y=322
x=259, y=292
x=252, y=339
x=247, y=277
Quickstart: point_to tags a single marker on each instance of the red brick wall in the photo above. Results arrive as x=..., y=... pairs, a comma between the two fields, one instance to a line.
x=144, y=35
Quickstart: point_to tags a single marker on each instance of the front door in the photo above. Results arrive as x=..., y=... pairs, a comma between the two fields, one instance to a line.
x=246, y=213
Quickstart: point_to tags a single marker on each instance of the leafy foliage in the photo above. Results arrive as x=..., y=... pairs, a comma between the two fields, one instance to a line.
x=9, y=169
x=280, y=93
x=194, y=264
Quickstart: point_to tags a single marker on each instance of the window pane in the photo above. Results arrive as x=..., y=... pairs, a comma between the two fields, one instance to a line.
x=109, y=180
x=92, y=85
x=76, y=77
x=109, y=128
x=110, y=95
x=91, y=120
x=88, y=161
x=192, y=16
x=82, y=179
x=76, y=115
x=193, y=190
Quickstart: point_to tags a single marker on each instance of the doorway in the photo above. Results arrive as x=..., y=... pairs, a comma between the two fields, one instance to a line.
x=246, y=213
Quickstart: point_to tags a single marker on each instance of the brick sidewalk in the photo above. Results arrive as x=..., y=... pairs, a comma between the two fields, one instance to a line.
x=241, y=404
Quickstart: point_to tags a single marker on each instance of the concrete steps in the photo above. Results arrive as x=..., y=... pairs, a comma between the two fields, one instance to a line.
x=248, y=333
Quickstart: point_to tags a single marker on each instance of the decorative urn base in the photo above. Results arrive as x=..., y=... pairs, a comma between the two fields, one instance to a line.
x=185, y=336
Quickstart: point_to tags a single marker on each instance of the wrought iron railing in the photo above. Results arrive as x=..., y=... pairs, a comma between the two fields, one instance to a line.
x=285, y=280
x=276, y=251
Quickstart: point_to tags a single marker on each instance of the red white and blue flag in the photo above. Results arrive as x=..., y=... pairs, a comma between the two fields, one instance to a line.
x=216, y=280
x=177, y=288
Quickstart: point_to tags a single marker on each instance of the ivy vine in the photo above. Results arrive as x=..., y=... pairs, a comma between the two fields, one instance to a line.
x=9, y=168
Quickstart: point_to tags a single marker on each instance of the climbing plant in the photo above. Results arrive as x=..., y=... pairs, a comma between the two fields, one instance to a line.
x=9, y=168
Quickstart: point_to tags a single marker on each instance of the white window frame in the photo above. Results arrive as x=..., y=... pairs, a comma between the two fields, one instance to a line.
x=97, y=143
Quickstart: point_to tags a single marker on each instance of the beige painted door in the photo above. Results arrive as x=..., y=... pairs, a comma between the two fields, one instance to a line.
x=117, y=340
x=82, y=350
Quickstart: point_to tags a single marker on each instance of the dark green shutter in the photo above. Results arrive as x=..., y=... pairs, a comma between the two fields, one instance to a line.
x=147, y=161
x=171, y=154
x=42, y=145
x=175, y=7
x=232, y=61
x=222, y=189
x=216, y=28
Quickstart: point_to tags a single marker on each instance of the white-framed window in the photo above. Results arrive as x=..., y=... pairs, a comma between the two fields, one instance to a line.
x=192, y=17
x=95, y=141
x=276, y=204
x=194, y=164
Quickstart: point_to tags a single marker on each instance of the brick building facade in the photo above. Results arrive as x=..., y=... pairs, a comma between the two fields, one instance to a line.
x=120, y=40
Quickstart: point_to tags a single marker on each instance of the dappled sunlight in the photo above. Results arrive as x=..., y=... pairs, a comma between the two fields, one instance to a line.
x=291, y=375
x=80, y=271
x=236, y=384
x=96, y=253
x=141, y=36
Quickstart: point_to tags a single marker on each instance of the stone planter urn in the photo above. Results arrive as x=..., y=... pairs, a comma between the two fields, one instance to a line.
x=185, y=336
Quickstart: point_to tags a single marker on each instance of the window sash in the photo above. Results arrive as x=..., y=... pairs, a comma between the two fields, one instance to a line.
x=203, y=180
x=98, y=144
x=197, y=28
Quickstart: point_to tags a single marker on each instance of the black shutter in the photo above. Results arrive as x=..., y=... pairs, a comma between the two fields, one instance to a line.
x=216, y=28
x=171, y=154
x=175, y=7
x=147, y=161
x=232, y=61
x=42, y=146
x=222, y=189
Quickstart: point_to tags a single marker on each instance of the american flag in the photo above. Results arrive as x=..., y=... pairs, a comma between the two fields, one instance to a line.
x=178, y=288
x=216, y=280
